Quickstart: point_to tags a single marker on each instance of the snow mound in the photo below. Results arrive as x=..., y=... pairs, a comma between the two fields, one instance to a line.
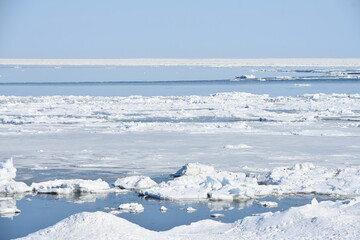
x=71, y=186
x=132, y=207
x=308, y=178
x=134, y=182
x=325, y=220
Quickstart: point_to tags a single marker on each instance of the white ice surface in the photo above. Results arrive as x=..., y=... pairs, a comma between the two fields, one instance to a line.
x=134, y=182
x=325, y=220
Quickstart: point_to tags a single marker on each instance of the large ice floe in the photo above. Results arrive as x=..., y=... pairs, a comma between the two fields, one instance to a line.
x=198, y=181
x=325, y=220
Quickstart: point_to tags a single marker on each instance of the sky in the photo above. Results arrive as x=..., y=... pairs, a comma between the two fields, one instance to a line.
x=180, y=29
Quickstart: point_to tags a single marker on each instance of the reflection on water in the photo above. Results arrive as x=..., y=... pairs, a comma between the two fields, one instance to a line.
x=40, y=211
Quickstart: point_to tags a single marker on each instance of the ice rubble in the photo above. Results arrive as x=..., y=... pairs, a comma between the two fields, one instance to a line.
x=134, y=182
x=198, y=181
x=216, y=112
x=325, y=220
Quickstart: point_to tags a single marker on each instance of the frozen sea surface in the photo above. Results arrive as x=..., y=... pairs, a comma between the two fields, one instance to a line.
x=126, y=121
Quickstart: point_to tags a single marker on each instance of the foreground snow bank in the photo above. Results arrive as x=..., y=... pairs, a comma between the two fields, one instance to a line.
x=198, y=181
x=71, y=186
x=325, y=220
x=7, y=183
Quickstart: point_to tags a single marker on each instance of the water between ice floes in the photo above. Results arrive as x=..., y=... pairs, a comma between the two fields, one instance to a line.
x=46, y=210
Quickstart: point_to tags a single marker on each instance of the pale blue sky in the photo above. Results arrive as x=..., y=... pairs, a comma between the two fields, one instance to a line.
x=179, y=28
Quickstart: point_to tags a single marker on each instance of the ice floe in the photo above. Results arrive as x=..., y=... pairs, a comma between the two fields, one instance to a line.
x=163, y=209
x=69, y=186
x=191, y=209
x=198, y=181
x=131, y=207
x=134, y=182
x=325, y=220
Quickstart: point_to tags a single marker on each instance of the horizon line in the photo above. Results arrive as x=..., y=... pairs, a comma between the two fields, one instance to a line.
x=205, y=62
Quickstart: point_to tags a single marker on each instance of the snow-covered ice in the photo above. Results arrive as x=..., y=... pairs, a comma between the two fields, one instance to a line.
x=131, y=207
x=191, y=209
x=163, y=209
x=198, y=181
x=325, y=220
x=7, y=183
x=134, y=182
x=218, y=112
x=69, y=186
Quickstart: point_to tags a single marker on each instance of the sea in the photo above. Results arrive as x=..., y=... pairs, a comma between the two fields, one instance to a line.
x=40, y=211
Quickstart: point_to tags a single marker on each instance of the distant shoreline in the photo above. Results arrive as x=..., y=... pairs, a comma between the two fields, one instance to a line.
x=264, y=62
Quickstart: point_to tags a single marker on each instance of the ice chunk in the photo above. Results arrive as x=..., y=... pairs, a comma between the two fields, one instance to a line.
x=163, y=209
x=193, y=169
x=70, y=186
x=12, y=187
x=7, y=170
x=132, y=207
x=191, y=209
x=134, y=182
